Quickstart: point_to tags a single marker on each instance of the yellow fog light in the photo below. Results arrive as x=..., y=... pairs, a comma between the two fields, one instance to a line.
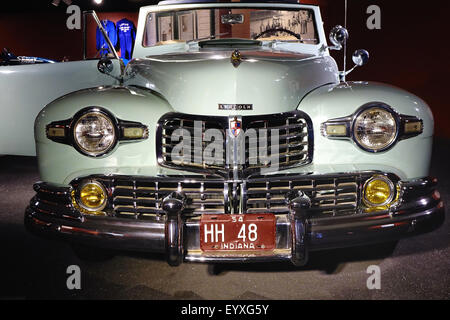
x=378, y=191
x=91, y=196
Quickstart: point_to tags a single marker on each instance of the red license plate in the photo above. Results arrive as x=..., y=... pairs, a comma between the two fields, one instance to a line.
x=237, y=232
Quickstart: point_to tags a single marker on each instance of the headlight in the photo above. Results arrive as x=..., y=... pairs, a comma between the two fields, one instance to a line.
x=375, y=129
x=94, y=133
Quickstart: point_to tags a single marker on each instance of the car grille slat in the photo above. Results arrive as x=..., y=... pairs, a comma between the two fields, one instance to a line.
x=289, y=153
x=329, y=197
x=142, y=197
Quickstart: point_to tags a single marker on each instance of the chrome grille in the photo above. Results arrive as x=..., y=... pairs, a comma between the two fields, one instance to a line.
x=330, y=196
x=292, y=140
x=141, y=197
x=197, y=145
x=294, y=144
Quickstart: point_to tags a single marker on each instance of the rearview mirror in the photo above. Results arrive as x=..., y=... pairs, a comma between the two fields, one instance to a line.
x=232, y=18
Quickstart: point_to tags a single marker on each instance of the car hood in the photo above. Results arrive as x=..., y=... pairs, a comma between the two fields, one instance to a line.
x=198, y=82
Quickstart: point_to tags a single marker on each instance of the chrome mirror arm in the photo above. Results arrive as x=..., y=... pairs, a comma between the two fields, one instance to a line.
x=335, y=48
x=344, y=74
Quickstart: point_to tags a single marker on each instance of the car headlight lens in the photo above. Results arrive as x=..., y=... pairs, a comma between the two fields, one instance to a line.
x=378, y=191
x=94, y=133
x=92, y=197
x=375, y=129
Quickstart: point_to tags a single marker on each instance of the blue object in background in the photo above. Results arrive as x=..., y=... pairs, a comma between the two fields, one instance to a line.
x=127, y=34
x=102, y=45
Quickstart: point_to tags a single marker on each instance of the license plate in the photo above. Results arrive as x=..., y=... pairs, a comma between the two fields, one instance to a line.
x=243, y=232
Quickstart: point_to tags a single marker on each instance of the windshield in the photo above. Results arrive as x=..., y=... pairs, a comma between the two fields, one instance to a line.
x=201, y=24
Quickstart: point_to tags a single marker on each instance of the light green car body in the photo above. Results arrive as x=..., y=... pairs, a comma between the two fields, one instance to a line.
x=179, y=78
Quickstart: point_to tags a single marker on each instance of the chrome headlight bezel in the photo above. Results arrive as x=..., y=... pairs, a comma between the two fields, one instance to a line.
x=99, y=112
x=344, y=128
x=381, y=106
x=124, y=131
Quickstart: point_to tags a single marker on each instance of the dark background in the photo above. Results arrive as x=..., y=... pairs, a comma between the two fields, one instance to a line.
x=410, y=51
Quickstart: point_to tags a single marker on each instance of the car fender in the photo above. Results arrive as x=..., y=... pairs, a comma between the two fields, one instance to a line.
x=59, y=161
x=411, y=157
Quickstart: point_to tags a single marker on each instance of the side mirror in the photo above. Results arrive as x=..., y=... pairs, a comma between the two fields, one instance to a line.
x=360, y=57
x=338, y=37
x=105, y=65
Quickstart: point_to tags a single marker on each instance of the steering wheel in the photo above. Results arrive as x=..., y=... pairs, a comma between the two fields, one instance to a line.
x=278, y=30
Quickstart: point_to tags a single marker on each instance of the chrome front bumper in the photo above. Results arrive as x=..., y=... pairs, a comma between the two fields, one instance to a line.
x=420, y=209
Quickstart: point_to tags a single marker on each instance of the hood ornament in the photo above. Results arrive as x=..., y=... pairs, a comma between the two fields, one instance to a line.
x=236, y=58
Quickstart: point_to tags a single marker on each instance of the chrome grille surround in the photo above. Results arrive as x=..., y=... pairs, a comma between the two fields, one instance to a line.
x=295, y=132
x=141, y=197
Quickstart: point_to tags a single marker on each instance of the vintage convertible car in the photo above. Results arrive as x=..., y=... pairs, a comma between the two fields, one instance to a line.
x=232, y=136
